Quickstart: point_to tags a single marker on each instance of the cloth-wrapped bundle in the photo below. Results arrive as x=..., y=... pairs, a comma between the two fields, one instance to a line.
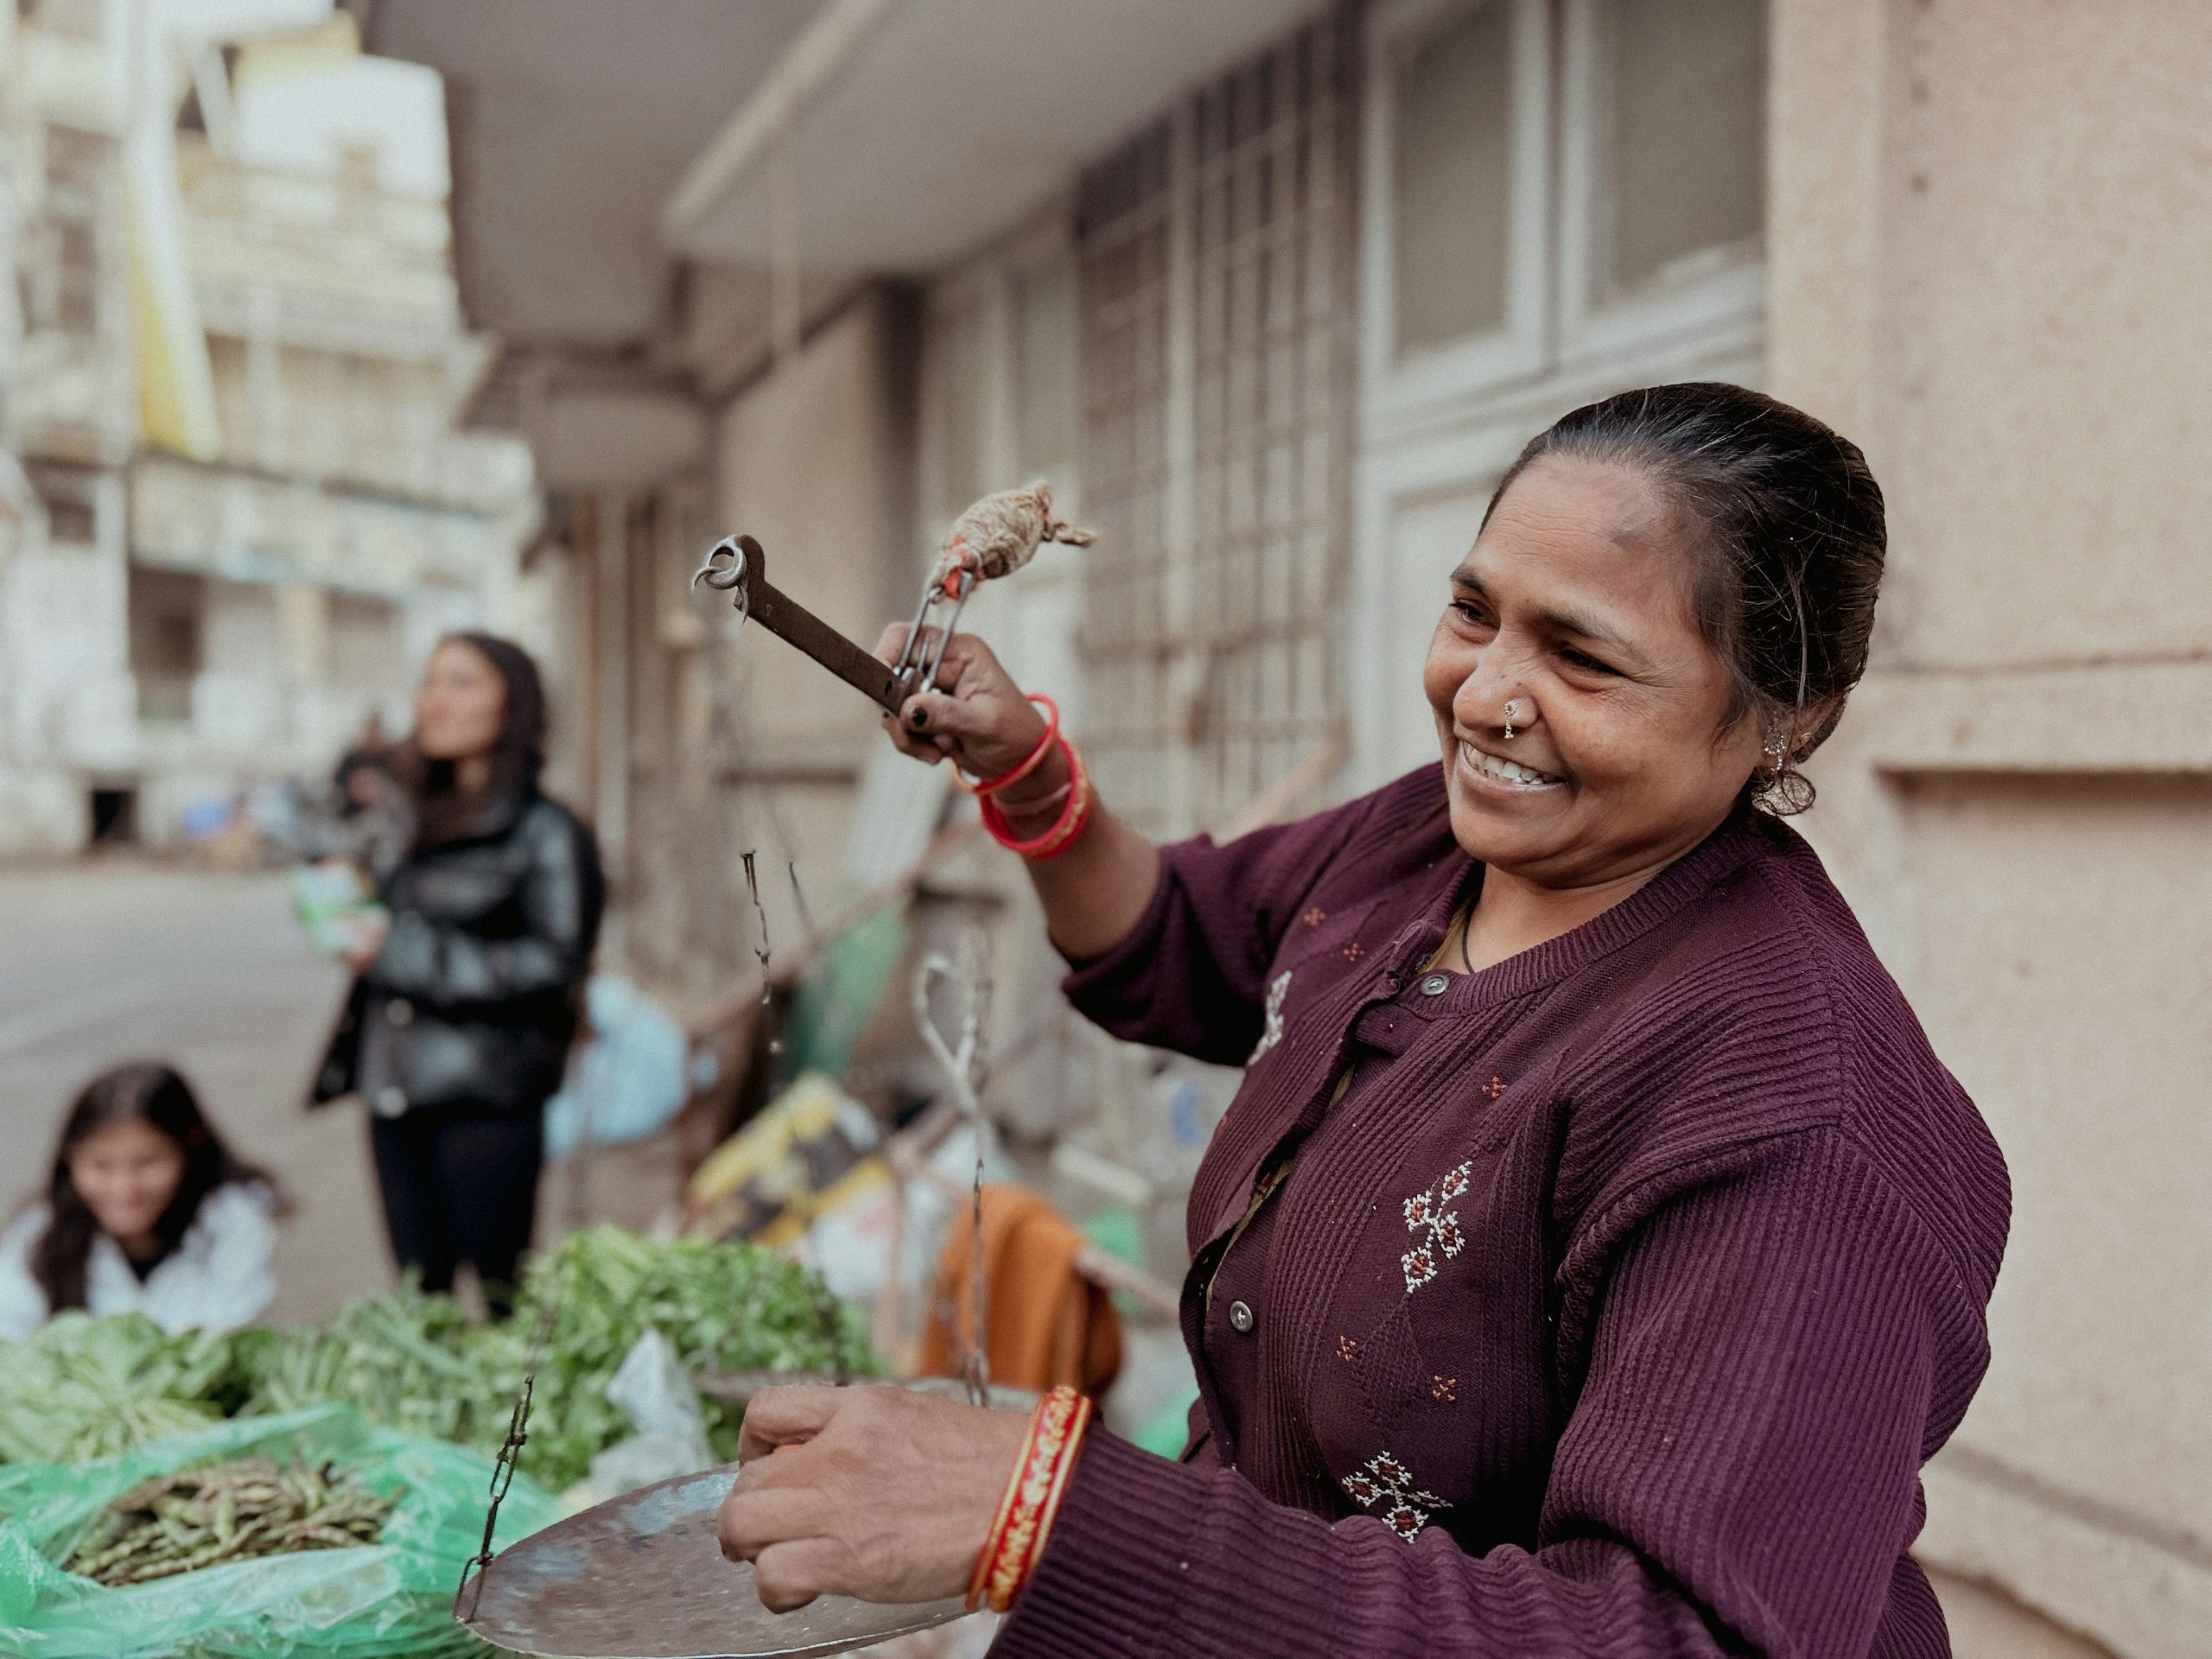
x=1000, y=534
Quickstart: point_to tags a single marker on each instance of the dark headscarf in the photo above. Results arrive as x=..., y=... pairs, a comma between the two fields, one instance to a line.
x=445, y=813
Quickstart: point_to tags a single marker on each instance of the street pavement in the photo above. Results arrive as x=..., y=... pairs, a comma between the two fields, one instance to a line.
x=116, y=959
x=105, y=961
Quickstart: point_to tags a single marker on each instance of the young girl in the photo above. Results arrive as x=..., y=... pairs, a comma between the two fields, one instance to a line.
x=146, y=1209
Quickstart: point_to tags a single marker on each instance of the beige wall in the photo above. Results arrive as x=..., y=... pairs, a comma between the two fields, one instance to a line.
x=815, y=460
x=1991, y=222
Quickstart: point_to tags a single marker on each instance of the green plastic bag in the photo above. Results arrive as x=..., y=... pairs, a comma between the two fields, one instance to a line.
x=390, y=1598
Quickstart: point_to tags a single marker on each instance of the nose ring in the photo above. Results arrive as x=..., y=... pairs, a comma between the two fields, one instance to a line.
x=1512, y=714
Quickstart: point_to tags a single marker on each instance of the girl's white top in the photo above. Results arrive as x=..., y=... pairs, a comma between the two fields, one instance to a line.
x=218, y=1277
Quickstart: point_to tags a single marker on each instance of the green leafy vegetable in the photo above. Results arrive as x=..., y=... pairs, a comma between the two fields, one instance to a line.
x=724, y=1307
x=411, y=1360
x=85, y=1388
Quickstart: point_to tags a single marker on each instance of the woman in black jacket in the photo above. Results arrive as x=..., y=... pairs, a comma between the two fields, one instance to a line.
x=459, y=1024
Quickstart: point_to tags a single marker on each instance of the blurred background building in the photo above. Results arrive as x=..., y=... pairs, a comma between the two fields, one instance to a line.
x=1272, y=292
x=240, y=354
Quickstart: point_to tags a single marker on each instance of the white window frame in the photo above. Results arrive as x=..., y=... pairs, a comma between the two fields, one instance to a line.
x=1711, y=287
x=972, y=297
x=1046, y=248
x=981, y=294
x=1386, y=700
x=1518, y=349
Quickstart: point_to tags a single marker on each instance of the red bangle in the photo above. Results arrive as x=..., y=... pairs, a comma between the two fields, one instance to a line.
x=1032, y=1500
x=1074, y=819
x=1036, y=756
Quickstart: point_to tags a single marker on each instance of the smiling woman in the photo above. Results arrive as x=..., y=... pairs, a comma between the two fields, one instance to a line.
x=1596, y=1250
x=1673, y=590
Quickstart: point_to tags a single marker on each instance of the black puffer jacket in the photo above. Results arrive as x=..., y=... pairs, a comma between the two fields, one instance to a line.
x=473, y=999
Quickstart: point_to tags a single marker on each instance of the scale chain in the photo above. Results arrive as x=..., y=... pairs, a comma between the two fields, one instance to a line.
x=503, y=1469
x=825, y=1303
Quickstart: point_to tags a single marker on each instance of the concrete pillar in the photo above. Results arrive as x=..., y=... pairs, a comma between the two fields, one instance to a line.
x=304, y=631
x=1827, y=95
x=1980, y=215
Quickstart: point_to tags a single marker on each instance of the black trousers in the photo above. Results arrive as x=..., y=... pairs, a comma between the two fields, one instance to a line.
x=461, y=1186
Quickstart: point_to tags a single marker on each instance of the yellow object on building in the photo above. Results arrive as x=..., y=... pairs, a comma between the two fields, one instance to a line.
x=806, y=1151
x=176, y=383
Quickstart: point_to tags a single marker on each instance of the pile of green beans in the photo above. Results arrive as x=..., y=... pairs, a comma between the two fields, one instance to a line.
x=227, y=1512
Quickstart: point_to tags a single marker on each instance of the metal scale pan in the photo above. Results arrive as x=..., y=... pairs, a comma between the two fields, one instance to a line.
x=642, y=1577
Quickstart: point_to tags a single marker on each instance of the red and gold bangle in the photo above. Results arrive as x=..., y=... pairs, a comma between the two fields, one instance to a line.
x=1033, y=1497
x=1035, y=758
x=1074, y=818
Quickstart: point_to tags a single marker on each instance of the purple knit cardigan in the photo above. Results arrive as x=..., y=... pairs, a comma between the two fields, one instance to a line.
x=1615, y=1316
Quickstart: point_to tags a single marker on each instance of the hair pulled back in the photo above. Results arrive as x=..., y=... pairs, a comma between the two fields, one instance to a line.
x=1787, y=548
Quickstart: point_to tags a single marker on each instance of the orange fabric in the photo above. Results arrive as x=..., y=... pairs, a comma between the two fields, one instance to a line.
x=1048, y=1324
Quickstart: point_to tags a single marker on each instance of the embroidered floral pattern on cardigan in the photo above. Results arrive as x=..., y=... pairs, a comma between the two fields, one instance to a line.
x=1388, y=1483
x=1271, y=1034
x=1439, y=1238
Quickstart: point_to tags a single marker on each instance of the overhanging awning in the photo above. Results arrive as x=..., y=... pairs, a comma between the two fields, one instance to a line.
x=570, y=121
x=919, y=129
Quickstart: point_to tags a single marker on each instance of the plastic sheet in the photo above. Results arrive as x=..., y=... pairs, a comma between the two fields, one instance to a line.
x=654, y=1392
x=629, y=1080
x=390, y=1598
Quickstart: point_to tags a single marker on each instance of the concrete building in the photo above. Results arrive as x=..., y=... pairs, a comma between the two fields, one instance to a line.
x=241, y=362
x=67, y=716
x=1272, y=293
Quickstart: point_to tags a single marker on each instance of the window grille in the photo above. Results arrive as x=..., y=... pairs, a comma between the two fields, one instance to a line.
x=1215, y=264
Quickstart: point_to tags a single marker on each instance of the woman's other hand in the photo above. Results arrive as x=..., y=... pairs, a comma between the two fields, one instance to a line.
x=369, y=933
x=976, y=716
x=869, y=1491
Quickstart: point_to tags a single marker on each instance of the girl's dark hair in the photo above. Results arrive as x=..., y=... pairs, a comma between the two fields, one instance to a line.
x=444, y=812
x=143, y=1091
x=1789, y=547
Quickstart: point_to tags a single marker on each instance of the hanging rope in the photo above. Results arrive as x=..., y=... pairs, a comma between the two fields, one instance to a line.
x=774, y=1040
x=1000, y=533
x=503, y=1468
x=963, y=1066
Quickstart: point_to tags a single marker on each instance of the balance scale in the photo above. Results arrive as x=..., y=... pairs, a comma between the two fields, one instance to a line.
x=642, y=1576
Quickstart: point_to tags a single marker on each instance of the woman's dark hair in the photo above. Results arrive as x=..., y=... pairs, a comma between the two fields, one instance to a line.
x=143, y=1091
x=1789, y=548
x=444, y=812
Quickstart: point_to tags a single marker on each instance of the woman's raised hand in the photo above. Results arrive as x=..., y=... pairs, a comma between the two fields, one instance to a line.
x=976, y=715
x=1093, y=891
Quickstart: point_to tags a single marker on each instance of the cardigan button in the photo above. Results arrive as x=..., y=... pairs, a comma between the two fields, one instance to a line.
x=1435, y=985
x=390, y=1101
x=399, y=1011
x=1240, y=1319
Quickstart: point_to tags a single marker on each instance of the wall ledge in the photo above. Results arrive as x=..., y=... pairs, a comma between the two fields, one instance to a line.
x=2148, y=718
x=2121, y=1582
